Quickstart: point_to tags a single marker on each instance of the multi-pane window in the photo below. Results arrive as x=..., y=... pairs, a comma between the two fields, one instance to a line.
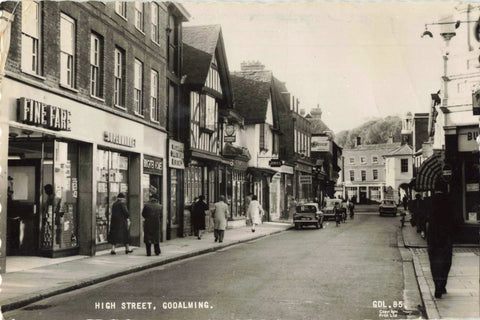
x=154, y=95
x=364, y=175
x=263, y=142
x=67, y=51
x=139, y=15
x=352, y=160
x=96, y=68
x=172, y=46
x=375, y=174
x=31, y=42
x=374, y=159
x=138, y=87
x=121, y=8
x=352, y=175
x=154, y=22
x=404, y=165
x=363, y=160
x=118, y=92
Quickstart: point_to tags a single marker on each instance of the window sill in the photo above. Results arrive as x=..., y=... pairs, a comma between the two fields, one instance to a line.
x=120, y=107
x=118, y=14
x=97, y=98
x=34, y=75
x=64, y=86
x=140, y=30
x=155, y=42
x=206, y=130
x=139, y=115
x=155, y=121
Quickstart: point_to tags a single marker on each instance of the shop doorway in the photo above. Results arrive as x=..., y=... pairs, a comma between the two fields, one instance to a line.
x=23, y=207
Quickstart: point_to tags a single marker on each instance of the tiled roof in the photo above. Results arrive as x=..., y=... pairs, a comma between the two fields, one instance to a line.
x=199, y=44
x=250, y=97
x=401, y=150
x=380, y=146
x=318, y=126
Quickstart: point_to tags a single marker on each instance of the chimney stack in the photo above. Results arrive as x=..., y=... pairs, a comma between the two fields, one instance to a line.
x=302, y=112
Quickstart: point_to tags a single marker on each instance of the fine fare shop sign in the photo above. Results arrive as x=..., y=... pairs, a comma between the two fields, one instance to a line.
x=43, y=115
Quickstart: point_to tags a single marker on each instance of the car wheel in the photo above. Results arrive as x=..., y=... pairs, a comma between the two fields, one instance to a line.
x=296, y=226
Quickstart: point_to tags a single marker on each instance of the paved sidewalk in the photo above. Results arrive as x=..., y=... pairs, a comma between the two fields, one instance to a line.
x=462, y=300
x=32, y=284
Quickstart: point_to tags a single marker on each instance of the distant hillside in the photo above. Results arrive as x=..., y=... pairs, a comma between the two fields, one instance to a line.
x=371, y=132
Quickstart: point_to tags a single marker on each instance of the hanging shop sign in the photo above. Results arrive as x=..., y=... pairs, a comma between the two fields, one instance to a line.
x=152, y=165
x=321, y=144
x=176, y=154
x=240, y=165
x=467, y=139
x=229, y=133
x=476, y=103
x=43, y=115
x=119, y=139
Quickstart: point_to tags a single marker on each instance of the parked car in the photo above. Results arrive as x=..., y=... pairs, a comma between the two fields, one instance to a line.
x=387, y=207
x=328, y=208
x=308, y=214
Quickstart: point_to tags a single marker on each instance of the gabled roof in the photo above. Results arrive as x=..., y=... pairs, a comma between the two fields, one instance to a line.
x=250, y=98
x=318, y=126
x=403, y=150
x=199, y=45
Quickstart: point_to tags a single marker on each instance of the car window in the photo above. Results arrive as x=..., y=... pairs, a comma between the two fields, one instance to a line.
x=306, y=209
x=389, y=203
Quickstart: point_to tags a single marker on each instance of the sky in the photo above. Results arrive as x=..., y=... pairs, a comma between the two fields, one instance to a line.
x=356, y=60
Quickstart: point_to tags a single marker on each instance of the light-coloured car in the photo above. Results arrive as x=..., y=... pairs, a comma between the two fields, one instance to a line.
x=387, y=206
x=328, y=208
x=308, y=214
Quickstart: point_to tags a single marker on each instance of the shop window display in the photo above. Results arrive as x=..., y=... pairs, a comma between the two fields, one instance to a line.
x=112, y=170
x=59, y=216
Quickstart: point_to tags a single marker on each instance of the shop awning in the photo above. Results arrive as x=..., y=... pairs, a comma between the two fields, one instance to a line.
x=428, y=173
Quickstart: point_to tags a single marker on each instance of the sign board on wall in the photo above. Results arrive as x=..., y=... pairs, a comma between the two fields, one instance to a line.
x=229, y=133
x=321, y=144
x=176, y=154
x=152, y=165
x=43, y=115
x=467, y=139
x=305, y=179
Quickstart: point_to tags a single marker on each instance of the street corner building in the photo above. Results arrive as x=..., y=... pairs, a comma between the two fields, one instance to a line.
x=85, y=99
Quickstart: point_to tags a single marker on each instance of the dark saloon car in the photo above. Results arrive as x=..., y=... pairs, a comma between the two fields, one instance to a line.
x=308, y=214
x=388, y=207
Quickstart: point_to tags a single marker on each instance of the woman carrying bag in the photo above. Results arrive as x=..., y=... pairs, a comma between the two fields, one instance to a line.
x=254, y=212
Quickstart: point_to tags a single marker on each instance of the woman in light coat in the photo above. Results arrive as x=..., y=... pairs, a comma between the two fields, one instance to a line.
x=254, y=212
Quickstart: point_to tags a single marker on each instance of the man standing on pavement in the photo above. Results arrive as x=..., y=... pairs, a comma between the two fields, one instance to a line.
x=220, y=215
x=152, y=213
x=440, y=238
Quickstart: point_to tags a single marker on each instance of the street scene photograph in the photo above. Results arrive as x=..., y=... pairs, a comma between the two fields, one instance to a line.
x=245, y=160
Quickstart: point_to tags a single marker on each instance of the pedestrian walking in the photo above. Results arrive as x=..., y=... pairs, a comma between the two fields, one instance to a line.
x=440, y=238
x=152, y=213
x=120, y=225
x=419, y=215
x=405, y=202
x=198, y=216
x=220, y=215
x=351, y=208
x=255, y=212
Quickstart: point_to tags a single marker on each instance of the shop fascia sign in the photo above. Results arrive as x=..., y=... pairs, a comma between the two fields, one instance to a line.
x=119, y=139
x=176, y=154
x=467, y=139
x=152, y=165
x=305, y=179
x=43, y=115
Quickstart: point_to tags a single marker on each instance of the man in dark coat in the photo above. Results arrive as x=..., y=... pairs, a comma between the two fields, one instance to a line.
x=439, y=239
x=119, y=224
x=198, y=216
x=152, y=213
